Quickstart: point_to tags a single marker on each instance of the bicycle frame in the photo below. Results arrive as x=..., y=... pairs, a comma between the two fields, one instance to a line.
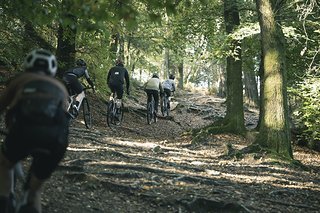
x=151, y=117
x=114, y=111
x=164, y=105
x=75, y=111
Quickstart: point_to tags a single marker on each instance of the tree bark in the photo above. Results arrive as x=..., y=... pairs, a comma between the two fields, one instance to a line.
x=181, y=76
x=234, y=115
x=66, y=47
x=274, y=127
x=250, y=85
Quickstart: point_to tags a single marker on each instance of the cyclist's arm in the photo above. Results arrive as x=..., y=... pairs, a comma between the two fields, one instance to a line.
x=173, y=86
x=108, y=76
x=86, y=73
x=160, y=88
x=126, y=76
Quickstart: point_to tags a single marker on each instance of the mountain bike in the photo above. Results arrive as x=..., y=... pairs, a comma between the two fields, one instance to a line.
x=151, y=114
x=165, y=105
x=73, y=109
x=115, y=109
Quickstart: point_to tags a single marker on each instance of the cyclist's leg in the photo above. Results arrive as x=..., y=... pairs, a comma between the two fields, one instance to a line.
x=119, y=91
x=149, y=95
x=77, y=88
x=6, y=182
x=156, y=100
x=12, y=150
x=53, y=142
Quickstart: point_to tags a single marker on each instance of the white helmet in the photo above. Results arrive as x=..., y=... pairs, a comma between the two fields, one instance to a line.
x=41, y=60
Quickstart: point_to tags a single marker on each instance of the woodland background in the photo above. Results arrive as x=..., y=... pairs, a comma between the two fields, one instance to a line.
x=222, y=46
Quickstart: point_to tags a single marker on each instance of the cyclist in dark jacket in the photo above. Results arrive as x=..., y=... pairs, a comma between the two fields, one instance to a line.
x=71, y=79
x=116, y=77
x=35, y=106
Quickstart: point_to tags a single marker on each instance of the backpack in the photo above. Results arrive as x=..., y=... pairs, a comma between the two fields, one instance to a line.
x=39, y=102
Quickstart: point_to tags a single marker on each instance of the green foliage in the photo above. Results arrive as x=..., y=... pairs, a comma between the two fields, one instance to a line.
x=305, y=98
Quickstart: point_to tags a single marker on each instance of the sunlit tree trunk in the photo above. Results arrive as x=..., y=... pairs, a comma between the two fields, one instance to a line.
x=274, y=127
x=165, y=70
x=221, y=81
x=234, y=118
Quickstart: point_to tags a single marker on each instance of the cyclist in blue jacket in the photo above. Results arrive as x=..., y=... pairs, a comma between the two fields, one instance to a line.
x=169, y=86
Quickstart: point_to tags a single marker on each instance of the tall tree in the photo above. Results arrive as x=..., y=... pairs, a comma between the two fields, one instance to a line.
x=274, y=126
x=234, y=119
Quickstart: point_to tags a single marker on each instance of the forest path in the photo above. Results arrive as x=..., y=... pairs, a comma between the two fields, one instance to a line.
x=155, y=168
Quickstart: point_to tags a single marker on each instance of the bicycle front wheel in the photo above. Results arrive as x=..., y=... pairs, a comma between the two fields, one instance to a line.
x=86, y=113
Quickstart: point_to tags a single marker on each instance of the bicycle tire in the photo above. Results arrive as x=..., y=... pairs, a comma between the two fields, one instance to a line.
x=117, y=118
x=167, y=110
x=110, y=115
x=87, y=117
x=164, y=106
x=121, y=113
x=149, y=113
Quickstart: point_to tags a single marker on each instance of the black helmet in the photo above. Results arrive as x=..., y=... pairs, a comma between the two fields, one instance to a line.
x=81, y=63
x=119, y=62
x=171, y=76
x=155, y=75
x=40, y=60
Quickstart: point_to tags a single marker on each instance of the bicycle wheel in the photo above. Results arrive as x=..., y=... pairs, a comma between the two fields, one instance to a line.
x=154, y=114
x=110, y=114
x=120, y=113
x=162, y=105
x=86, y=113
x=149, y=113
x=166, y=106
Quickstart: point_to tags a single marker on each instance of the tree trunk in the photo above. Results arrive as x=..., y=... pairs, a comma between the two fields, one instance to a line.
x=250, y=86
x=165, y=71
x=113, y=46
x=274, y=128
x=180, y=70
x=234, y=114
x=66, y=47
x=221, y=81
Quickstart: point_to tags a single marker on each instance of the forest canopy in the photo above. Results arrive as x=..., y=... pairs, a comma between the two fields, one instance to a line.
x=184, y=37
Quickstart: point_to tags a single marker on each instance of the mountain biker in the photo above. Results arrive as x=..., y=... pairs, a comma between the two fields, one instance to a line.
x=169, y=86
x=35, y=106
x=116, y=77
x=71, y=79
x=152, y=87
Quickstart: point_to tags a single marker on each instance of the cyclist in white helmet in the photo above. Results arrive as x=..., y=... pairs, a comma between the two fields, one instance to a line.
x=35, y=106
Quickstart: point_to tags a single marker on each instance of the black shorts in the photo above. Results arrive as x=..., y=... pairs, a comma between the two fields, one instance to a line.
x=46, y=144
x=118, y=89
x=73, y=83
x=167, y=91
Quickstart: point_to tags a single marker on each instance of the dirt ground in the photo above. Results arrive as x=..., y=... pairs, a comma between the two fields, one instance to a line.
x=155, y=168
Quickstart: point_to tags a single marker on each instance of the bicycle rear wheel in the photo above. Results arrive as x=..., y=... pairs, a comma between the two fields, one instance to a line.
x=167, y=109
x=149, y=113
x=86, y=113
x=110, y=114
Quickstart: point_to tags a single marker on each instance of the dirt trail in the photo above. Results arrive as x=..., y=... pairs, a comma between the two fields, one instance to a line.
x=155, y=168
